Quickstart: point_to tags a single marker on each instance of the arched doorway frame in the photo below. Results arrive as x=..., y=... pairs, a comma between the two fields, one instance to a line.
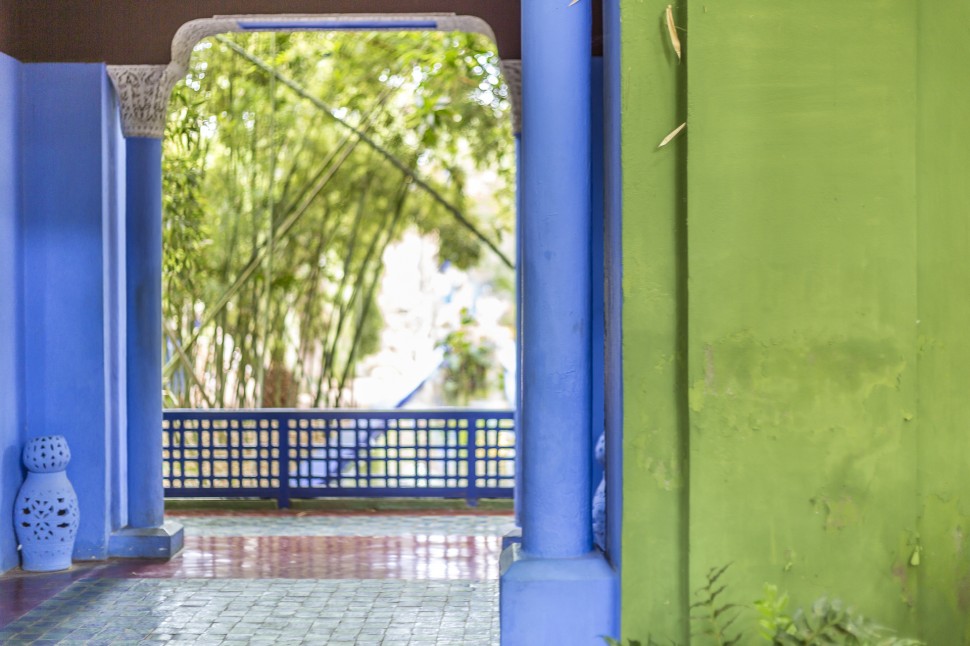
x=144, y=92
x=555, y=565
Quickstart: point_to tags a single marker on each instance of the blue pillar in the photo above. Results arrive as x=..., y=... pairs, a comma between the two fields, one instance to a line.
x=556, y=269
x=147, y=533
x=555, y=588
x=144, y=295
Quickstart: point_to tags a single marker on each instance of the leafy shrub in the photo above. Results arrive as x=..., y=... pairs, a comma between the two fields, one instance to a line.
x=826, y=622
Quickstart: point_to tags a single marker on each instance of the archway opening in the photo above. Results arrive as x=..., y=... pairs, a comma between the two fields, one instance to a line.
x=298, y=166
x=339, y=288
x=293, y=164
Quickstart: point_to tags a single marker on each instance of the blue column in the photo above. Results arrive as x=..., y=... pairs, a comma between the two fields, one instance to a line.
x=556, y=270
x=555, y=589
x=144, y=346
x=147, y=533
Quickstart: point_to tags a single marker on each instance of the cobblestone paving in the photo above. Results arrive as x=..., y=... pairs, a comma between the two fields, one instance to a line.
x=265, y=611
x=108, y=609
x=335, y=525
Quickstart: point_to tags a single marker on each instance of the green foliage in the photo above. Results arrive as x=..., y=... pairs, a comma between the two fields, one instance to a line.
x=713, y=614
x=469, y=362
x=631, y=642
x=827, y=622
x=773, y=612
x=291, y=162
x=184, y=233
x=612, y=642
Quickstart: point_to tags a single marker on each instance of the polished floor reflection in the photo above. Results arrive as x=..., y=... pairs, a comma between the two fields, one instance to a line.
x=252, y=578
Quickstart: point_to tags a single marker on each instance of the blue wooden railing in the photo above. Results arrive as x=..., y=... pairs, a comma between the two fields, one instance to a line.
x=286, y=454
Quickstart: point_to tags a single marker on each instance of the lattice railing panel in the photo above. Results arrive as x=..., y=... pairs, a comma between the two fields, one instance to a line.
x=290, y=453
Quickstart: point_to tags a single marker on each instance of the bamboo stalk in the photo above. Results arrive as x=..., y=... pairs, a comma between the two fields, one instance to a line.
x=332, y=163
x=395, y=161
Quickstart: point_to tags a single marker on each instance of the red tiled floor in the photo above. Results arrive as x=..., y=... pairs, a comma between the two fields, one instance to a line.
x=275, y=557
x=324, y=557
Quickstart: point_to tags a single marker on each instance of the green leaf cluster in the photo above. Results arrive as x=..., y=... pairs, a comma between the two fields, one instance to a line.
x=715, y=616
x=826, y=622
x=469, y=363
x=291, y=162
x=614, y=642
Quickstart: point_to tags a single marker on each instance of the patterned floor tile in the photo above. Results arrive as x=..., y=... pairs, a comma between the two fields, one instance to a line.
x=117, y=611
x=278, y=579
x=308, y=524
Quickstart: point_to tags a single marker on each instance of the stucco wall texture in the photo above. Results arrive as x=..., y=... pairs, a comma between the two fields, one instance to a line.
x=69, y=139
x=12, y=433
x=795, y=348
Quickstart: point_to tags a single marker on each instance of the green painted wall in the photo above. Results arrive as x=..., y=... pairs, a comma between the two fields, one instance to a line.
x=654, y=583
x=795, y=313
x=943, y=180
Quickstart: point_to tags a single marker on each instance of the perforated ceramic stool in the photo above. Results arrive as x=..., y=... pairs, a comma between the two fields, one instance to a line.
x=46, y=513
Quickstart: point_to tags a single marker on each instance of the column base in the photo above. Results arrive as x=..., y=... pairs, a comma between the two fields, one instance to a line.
x=514, y=537
x=557, y=601
x=147, y=542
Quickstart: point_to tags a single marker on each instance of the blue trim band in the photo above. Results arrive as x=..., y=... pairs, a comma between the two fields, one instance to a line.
x=339, y=25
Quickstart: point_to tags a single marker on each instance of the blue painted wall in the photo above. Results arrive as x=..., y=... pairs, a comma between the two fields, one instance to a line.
x=11, y=314
x=613, y=280
x=597, y=318
x=114, y=183
x=71, y=198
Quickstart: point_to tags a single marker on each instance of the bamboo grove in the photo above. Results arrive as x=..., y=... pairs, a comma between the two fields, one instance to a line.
x=291, y=163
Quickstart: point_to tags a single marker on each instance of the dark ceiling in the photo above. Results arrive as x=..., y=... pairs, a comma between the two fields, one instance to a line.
x=131, y=32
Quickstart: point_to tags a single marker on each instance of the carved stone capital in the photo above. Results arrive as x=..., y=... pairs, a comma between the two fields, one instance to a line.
x=143, y=92
x=512, y=71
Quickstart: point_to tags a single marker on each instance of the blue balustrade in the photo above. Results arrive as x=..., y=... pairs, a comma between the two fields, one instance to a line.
x=286, y=454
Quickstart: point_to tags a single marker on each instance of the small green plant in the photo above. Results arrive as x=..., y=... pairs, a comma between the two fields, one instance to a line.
x=827, y=622
x=773, y=612
x=632, y=642
x=635, y=642
x=716, y=616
